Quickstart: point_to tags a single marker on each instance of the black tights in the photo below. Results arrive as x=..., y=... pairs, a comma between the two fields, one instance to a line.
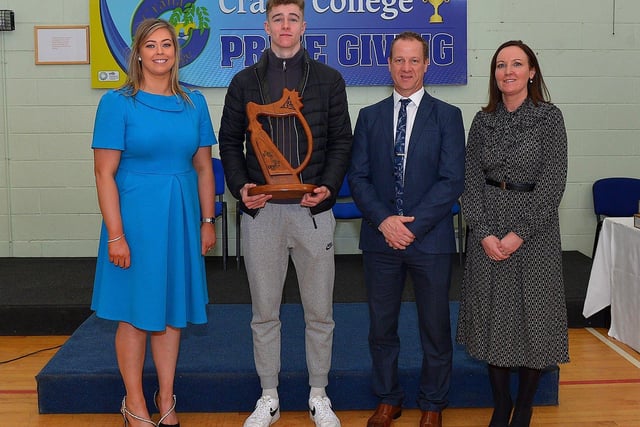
x=527, y=387
x=501, y=391
x=500, y=379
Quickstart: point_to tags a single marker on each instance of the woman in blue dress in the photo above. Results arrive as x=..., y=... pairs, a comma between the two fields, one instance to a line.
x=152, y=154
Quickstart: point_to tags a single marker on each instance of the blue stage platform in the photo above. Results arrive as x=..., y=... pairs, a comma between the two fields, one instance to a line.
x=216, y=371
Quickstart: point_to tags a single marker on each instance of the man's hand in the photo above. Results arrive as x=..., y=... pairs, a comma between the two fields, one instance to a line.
x=253, y=202
x=319, y=194
x=396, y=233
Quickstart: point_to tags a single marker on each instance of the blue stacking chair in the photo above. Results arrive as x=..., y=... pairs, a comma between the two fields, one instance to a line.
x=345, y=207
x=221, y=207
x=616, y=197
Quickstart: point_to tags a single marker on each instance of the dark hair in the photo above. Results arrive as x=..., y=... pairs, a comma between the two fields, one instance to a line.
x=134, y=71
x=536, y=90
x=273, y=3
x=410, y=35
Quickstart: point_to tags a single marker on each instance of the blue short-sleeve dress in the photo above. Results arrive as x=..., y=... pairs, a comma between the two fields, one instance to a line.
x=159, y=203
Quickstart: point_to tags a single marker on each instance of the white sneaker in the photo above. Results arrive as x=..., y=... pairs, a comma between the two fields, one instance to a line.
x=321, y=413
x=266, y=413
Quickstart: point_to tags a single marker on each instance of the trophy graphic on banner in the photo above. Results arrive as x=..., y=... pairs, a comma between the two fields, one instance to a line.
x=283, y=180
x=436, y=18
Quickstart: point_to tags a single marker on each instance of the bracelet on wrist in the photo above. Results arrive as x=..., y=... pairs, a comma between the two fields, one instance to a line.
x=115, y=239
x=210, y=220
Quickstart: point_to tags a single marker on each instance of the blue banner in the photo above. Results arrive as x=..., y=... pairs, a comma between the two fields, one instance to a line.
x=219, y=38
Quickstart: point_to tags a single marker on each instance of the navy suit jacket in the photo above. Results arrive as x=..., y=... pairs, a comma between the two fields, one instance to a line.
x=433, y=180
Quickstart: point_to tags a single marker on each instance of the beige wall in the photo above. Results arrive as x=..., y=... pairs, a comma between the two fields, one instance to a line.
x=48, y=205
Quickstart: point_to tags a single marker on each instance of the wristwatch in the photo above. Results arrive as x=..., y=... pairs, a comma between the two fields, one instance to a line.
x=211, y=220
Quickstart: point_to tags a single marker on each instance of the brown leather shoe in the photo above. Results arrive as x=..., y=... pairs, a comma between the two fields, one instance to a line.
x=384, y=414
x=431, y=419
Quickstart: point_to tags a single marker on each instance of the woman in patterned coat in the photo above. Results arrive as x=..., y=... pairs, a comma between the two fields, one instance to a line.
x=512, y=309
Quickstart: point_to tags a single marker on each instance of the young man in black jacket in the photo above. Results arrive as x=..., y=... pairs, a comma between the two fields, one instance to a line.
x=273, y=230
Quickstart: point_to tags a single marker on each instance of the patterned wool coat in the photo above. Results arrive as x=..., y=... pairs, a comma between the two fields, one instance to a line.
x=512, y=312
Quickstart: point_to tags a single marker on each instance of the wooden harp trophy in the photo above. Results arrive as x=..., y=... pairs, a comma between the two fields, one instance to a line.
x=283, y=181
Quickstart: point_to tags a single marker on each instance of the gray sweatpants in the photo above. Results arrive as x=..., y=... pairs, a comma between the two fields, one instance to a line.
x=277, y=232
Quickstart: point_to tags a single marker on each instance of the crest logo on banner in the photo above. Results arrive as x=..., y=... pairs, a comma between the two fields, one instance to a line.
x=218, y=38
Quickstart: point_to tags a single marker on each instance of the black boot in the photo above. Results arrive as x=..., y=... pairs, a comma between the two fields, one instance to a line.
x=500, y=379
x=529, y=379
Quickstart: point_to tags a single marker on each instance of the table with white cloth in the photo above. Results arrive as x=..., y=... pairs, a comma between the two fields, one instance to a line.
x=615, y=279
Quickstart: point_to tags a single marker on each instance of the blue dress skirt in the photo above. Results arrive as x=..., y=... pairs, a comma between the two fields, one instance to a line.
x=160, y=208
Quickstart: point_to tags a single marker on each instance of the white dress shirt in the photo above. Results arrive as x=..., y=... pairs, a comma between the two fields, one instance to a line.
x=412, y=110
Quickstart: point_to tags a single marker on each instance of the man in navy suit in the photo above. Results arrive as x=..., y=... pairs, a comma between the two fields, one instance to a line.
x=407, y=170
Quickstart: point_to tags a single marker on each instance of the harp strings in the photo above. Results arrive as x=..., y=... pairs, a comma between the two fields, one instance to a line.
x=285, y=139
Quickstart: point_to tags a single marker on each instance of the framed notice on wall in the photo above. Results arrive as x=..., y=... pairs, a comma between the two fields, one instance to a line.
x=62, y=44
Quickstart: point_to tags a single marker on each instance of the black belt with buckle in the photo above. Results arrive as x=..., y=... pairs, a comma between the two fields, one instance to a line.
x=512, y=186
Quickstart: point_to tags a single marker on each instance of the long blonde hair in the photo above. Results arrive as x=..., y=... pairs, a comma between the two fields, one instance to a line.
x=134, y=72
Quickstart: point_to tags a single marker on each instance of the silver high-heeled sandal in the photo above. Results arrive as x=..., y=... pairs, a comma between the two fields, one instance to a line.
x=126, y=412
x=166, y=414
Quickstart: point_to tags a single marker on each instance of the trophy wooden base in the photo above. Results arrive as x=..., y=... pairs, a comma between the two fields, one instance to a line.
x=283, y=191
